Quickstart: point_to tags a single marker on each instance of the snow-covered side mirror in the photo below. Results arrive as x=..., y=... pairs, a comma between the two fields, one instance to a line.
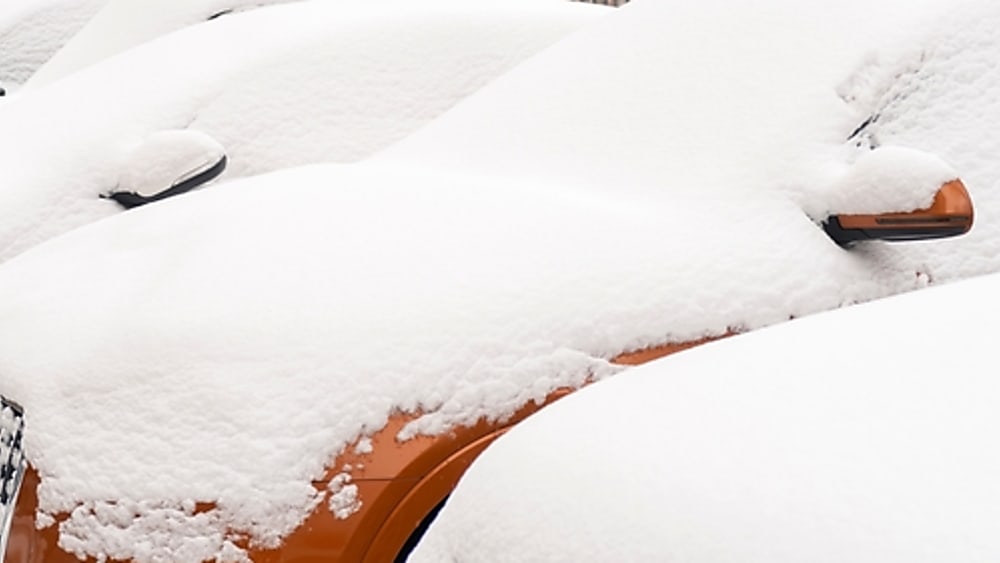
x=166, y=164
x=896, y=194
x=949, y=215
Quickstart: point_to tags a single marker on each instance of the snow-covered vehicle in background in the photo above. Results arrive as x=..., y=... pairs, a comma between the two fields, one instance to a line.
x=346, y=83
x=302, y=363
x=863, y=434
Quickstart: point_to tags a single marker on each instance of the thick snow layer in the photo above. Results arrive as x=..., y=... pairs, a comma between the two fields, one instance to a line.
x=249, y=331
x=31, y=31
x=191, y=329
x=886, y=178
x=865, y=434
x=345, y=83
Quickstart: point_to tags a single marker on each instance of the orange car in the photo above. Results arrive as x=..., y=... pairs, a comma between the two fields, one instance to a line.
x=393, y=488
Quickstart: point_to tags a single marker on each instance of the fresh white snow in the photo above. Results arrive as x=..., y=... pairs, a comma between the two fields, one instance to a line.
x=705, y=95
x=606, y=195
x=885, y=179
x=121, y=24
x=31, y=31
x=864, y=434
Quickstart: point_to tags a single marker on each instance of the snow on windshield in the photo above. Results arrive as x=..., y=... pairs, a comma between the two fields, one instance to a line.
x=864, y=434
x=31, y=31
x=344, y=84
x=250, y=331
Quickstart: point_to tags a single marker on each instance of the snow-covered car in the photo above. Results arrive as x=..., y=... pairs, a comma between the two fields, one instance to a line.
x=864, y=434
x=352, y=78
x=303, y=363
x=31, y=31
x=222, y=390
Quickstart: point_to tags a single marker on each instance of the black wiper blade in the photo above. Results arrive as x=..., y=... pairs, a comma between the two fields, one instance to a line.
x=12, y=464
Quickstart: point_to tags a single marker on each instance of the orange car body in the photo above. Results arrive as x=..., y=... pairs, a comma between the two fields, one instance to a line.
x=399, y=484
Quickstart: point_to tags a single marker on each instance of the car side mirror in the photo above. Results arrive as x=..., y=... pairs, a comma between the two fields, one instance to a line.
x=166, y=164
x=950, y=215
x=897, y=194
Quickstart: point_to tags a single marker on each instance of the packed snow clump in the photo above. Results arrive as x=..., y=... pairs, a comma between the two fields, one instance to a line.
x=822, y=439
x=884, y=179
x=344, y=499
x=346, y=83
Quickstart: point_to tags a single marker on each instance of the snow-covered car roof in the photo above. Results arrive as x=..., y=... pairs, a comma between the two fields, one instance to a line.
x=31, y=31
x=864, y=434
x=345, y=83
x=249, y=332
